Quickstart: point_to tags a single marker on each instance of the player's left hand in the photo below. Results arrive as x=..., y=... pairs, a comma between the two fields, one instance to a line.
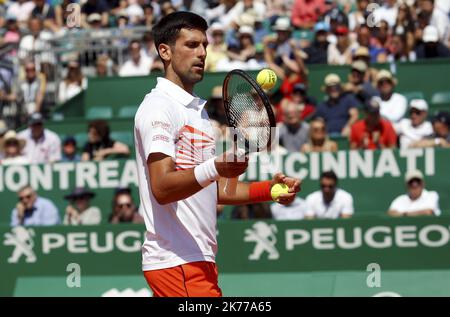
x=294, y=185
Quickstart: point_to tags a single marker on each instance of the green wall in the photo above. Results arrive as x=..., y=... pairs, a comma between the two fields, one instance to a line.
x=299, y=258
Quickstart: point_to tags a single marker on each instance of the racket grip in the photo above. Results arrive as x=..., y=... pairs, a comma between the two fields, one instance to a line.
x=230, y=186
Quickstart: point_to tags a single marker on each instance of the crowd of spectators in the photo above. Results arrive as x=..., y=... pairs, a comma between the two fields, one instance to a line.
x=34, y=210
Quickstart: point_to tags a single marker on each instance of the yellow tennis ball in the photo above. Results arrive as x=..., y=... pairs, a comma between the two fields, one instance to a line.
x=266, y=78
x=278, y=189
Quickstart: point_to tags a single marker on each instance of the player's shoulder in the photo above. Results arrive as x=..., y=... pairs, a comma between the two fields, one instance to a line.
x=154, y=104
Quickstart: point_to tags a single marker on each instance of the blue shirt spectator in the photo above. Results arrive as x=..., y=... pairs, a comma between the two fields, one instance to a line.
x=340, y=110
x=32, y=210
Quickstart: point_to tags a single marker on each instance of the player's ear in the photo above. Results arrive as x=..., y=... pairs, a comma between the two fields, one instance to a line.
x=165, y=52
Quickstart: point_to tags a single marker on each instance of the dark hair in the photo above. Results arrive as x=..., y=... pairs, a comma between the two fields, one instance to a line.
x=101, y=127
x=147, y=37
x=167, y=29
x=134, y=42
x=329, y=174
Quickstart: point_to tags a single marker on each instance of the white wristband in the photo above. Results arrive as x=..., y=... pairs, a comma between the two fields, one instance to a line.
x=206, y=173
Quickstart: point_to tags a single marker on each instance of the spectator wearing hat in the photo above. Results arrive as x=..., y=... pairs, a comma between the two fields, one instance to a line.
x=100, y=145
x=33, y=210
x=359, y=84
x=138, y=64
x=42, y=145
x=393, y=105
x=299, y=98
x=305, y=13
x=417, y=201
x=79, y=211
x=217, y=48
x=431, y=47
x=341, y=52
x=124, y=209
x=281, y=52
x=94, y=21
x=416, y=127
x=372, y=132
x=318, y=140
x=99, y=7
x=11, y=149
x=73, y=84
x=340, y=110
x=441, y=132
x=245, y=49
x=69, y=150
x=317, y=52
x=32, y=89
x=293, y=133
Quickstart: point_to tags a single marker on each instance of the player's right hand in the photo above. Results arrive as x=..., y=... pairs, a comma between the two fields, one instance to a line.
x=230, y=166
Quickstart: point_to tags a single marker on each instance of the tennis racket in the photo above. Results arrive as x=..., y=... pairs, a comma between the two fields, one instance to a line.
x=249, y=115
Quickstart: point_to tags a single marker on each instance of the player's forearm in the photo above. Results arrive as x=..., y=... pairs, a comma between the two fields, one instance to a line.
x=175, y=186
x=241, y=197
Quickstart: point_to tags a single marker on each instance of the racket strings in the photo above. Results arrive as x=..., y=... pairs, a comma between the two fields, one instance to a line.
x=247, y=113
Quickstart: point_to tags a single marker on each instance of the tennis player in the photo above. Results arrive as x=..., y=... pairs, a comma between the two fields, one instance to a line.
x=180, y=179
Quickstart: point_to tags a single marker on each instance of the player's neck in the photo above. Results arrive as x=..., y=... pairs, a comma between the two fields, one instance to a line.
x=173, y=77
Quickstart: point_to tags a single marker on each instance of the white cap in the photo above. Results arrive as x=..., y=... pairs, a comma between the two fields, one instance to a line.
x=418, y=104
x=430, y=34
x=282, y=24
x=245, y=29
x=93, y=17
x=216, y=26
x=410, y=175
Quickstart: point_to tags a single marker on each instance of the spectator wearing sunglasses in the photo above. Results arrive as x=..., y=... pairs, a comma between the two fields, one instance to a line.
x=124, y=209
x=417, y=201
x=416, y=127
x=80, y=211
x=32, y=210
x=318, y=138
x=330, y=202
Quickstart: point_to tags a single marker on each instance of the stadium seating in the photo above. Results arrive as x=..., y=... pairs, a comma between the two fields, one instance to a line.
x=99, y=112
x=127, y=112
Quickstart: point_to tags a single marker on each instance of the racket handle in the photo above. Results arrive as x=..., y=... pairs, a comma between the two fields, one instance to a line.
x=230, y=186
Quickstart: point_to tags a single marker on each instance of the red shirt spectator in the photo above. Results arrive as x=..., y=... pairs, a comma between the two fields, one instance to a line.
x=297, y=96
x=373, y=132
x=306, y=12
